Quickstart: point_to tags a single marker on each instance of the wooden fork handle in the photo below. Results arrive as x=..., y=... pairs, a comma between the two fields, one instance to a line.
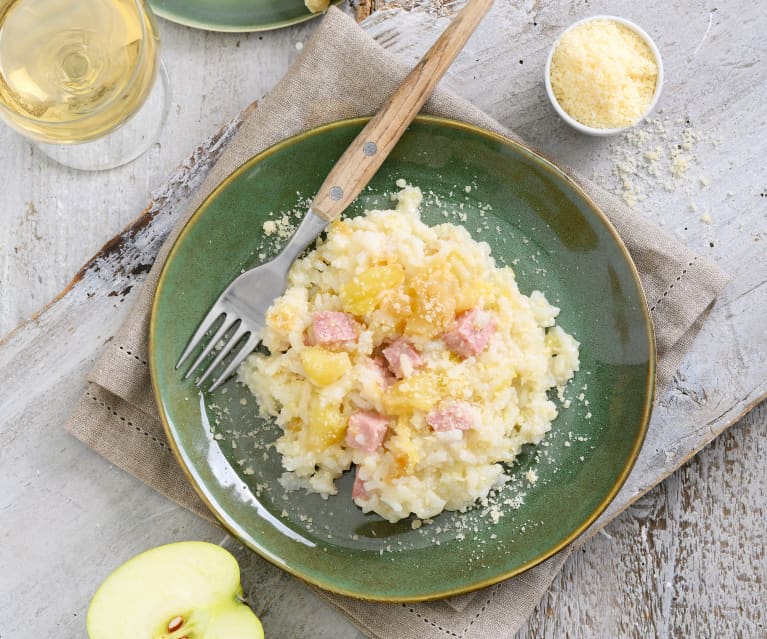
x=364, y=156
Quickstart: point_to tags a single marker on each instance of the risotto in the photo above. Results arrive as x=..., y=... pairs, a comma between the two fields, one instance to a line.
x=403, y=352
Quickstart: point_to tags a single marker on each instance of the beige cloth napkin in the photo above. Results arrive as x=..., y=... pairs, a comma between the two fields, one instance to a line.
x=117, y=415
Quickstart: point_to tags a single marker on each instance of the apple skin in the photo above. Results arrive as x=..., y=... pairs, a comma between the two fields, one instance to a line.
x=197, y=580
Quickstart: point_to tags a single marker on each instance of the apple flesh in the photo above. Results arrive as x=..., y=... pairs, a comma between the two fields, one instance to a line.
x=189, y=590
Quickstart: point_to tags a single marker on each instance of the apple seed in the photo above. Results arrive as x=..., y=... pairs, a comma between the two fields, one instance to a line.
x=175, y=623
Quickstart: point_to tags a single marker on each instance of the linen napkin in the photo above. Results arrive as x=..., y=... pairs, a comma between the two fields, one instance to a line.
x=117, y=416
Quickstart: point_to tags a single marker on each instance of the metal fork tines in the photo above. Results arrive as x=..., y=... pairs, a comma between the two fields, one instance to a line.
x=242, y=307
x=229, y=322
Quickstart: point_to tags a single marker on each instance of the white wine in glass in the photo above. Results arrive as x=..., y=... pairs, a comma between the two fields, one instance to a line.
x=74, y=72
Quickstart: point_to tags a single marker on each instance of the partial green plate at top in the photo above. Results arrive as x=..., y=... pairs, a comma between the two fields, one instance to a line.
x=535, y=219
x=234, y=15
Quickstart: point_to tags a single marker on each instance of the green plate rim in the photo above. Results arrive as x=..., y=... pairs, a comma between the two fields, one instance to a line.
x=232, y=527
x=220, y=28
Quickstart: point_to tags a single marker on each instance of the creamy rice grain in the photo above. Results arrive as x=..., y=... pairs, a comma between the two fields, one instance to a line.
x=403, y=351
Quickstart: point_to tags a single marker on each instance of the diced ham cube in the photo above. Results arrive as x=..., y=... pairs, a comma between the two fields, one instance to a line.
x=452, y=415
x=471, y=333
x=358, y=488
x=331, y=327
x=381, y=371
x=403, y=359
x=366, y=430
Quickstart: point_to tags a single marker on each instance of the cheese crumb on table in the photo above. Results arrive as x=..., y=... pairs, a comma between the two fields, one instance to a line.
x=661, y=154
x=603, y=74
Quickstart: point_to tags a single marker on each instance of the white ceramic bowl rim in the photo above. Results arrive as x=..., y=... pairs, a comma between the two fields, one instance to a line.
x=584, y=128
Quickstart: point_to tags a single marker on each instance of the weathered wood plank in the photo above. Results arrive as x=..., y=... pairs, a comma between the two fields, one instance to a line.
x=687, y=560
x=52, y=220
x=364, y=9
x=80, y=518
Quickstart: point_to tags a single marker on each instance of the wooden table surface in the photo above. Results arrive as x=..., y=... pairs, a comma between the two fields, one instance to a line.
x=687, y=559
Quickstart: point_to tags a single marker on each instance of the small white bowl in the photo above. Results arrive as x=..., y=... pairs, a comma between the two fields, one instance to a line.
x=590, y=130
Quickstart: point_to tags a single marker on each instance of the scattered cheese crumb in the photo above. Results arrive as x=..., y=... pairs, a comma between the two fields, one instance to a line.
x=679, y=165
x=531, y=476
x=269, y=227
x=659, y=154
x=653, y=155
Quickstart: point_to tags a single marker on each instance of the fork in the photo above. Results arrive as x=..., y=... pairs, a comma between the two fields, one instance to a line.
x=244, y=303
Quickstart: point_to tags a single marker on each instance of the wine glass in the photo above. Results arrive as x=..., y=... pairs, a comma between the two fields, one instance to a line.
x=82, y=78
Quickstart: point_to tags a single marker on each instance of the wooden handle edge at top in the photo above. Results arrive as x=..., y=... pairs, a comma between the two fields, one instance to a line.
x=364, y=156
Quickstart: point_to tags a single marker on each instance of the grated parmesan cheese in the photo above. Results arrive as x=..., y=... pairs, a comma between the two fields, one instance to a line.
x=603, y=74
x=531, y=476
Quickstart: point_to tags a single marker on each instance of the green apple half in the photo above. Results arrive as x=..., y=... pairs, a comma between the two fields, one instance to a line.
x=188, y=589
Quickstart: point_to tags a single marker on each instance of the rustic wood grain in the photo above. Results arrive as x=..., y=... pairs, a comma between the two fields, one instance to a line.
x=53, y=220
x=364, y=9
x=73, y=518
x=687, y=560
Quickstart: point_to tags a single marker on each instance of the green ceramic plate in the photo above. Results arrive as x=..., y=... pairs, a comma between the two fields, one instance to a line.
x=532, y=216
x=234, y=15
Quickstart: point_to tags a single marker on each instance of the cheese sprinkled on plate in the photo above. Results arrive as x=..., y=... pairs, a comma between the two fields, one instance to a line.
x=403, y=353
